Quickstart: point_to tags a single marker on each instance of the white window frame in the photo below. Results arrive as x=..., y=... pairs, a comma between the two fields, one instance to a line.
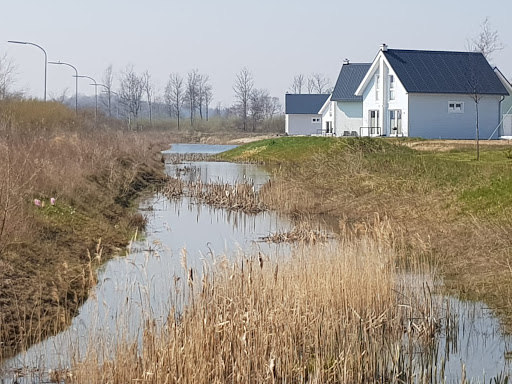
x=392, y=82
x=316, y=120
x=397, y=113
x=377, y=86
x=455, y=107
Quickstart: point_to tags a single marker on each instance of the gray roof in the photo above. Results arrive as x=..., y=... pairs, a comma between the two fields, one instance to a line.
x=304, y=104
x=349, y=79
x=444, y=72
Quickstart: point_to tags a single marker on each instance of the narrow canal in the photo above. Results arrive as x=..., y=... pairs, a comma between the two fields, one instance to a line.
x=182, y=234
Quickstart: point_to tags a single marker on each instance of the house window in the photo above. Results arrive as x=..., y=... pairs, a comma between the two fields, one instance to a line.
x=315, y=120
x=391, y=87
x=373, y=121
x=455, y=107
x=395, y=122
x=377, y=87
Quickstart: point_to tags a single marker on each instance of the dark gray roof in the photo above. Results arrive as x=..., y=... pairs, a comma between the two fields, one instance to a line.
x=349, y=79
x=297, y=104
x=444, y=72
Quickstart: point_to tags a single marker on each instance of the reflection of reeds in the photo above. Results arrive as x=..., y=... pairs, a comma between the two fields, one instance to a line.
x=328, y=314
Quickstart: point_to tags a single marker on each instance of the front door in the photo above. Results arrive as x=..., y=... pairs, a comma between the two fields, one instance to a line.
x=395, y=122
x=373, y=123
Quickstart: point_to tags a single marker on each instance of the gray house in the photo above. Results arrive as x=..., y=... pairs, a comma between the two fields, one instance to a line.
x=302, y=113
x=430, y=94
x=506, y=107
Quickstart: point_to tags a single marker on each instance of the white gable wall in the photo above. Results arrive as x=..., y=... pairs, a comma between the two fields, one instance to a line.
x=303, y=124
x=429, y=116
x=348, y=116
x=384, y=104
x=327, y=113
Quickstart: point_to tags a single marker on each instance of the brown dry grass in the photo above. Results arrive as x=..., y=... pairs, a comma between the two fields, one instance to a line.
x=327, y=315
x=421, y=198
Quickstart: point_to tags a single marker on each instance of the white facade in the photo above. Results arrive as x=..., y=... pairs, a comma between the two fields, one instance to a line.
x=348, y=117
x=303, y=124
x=389, y=110
x=385, y=107
x=341, y=118
x=328, y=117
x=432, y=117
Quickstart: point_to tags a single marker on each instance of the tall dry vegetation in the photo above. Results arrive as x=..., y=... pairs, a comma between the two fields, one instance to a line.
x=423, y=195
x=46, y=151
x=329, y=314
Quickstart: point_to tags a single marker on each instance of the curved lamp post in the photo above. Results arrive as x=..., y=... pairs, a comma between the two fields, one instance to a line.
x=95, y=92
x=76, y=80
x=45, y=59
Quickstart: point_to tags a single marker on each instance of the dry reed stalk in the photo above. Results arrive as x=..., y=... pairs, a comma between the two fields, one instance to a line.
x=330, y=314
x=241, y=196
x=301, y=233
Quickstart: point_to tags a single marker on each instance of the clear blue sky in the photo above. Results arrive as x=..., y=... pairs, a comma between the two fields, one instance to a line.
x=274, y=39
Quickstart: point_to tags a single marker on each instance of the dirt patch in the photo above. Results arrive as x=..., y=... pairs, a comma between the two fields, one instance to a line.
x=450, y=145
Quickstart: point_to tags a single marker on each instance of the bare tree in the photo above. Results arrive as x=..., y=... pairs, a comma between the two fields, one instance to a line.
x=257, y=106
x=473, y=88
x=202, y=87
x=272, y=107
x=131, y=90
x=7, y=76
x=218, y=109
x=320, y=83
x=488, y=41
x=243, y=86
x=191, y=93
x=147, y=85
x=208, y=97
x=175, y=94
x=108, y=81
x=298, y=84
x=310, y=85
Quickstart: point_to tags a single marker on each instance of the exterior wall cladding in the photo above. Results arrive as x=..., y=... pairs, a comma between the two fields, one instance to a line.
x=303, y=124
x=349, y=116
x=430, y=118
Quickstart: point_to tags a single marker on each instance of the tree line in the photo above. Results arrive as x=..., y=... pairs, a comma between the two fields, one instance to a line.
x=188, y=96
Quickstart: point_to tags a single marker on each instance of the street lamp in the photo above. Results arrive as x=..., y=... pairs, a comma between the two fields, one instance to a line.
x=95, y=93
x=76, y=81
x=45, y=59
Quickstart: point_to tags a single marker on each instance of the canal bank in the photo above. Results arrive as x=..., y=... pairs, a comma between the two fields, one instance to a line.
x=188, y=241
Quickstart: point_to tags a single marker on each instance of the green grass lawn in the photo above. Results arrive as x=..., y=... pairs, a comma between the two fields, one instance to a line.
x=480, y=187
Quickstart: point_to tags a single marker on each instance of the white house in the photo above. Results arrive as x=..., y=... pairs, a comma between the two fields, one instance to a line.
x=430, y=94
x=342, y=113
x=506, y=107
x=302, y=113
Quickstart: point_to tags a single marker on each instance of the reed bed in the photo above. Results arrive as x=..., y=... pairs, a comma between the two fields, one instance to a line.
x=179, y=158
x=241, y=196
x=330, y=314
x=302, y=233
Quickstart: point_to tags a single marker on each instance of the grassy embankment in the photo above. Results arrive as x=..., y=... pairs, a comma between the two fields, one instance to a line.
x=451, y=208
